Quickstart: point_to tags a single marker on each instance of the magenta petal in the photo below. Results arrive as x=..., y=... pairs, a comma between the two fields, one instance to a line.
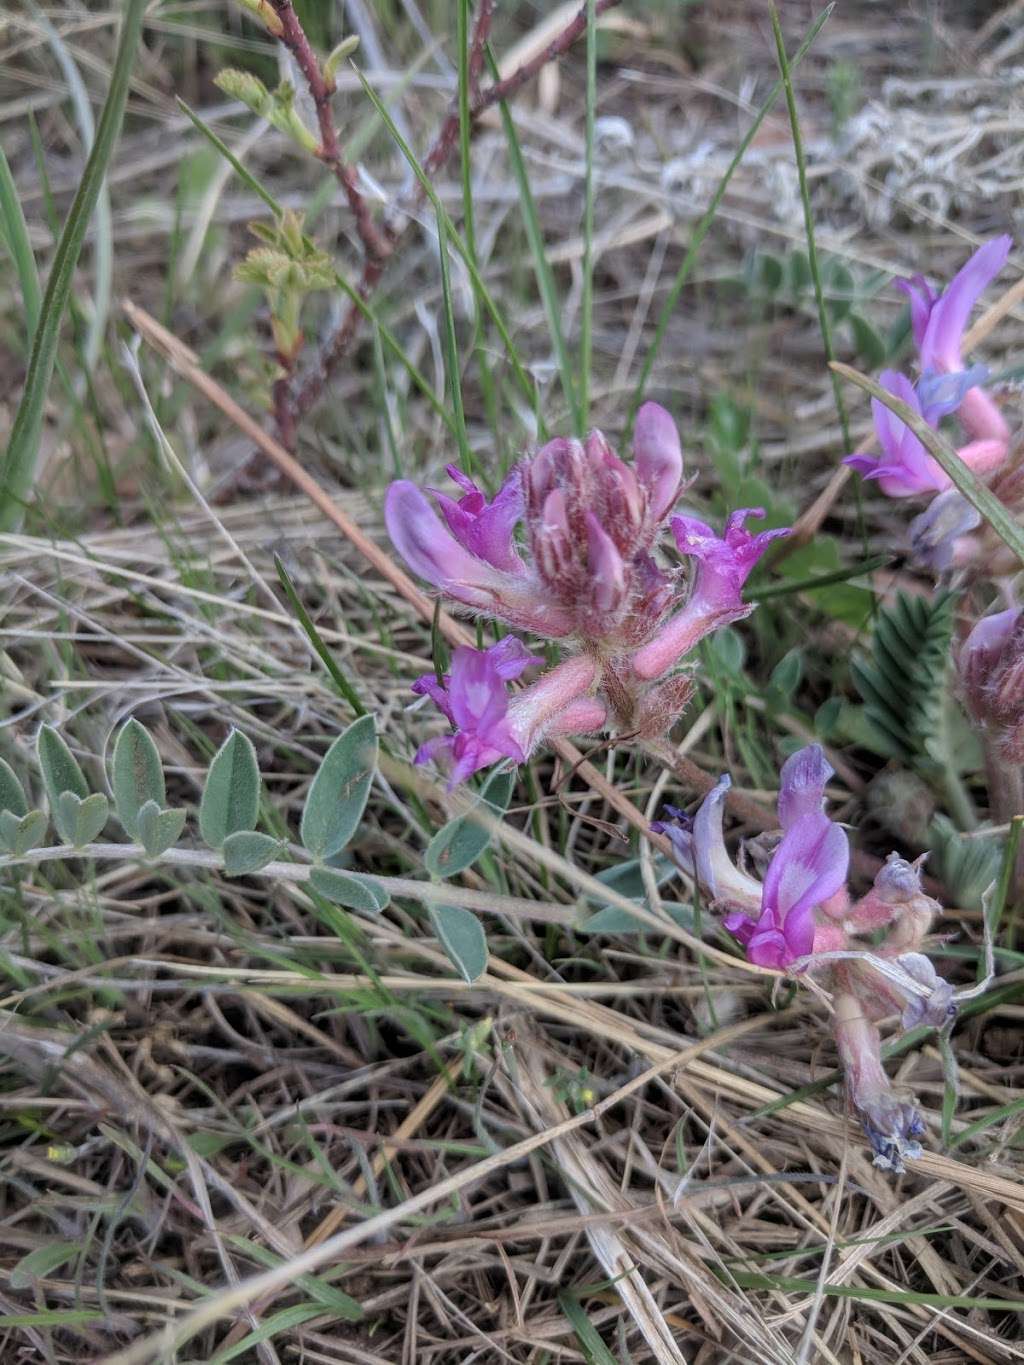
x=802, y=784
x=607, y=587
x=767, y=947
x=486, y=528
x=658, y=456
x=423, y=542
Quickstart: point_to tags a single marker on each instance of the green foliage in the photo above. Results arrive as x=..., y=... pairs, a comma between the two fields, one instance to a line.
x=966, y=866
x=246, y=851
x=349, y=889
x=12, y=793
x=459, y=844
x=20, y=834
x=231, y=795
x=903, y=680
x=78, y=822
x=17, y=468
x=59, y=767
x=338, y=794
x=137, y=775
x=157, y=829
x=462, y=937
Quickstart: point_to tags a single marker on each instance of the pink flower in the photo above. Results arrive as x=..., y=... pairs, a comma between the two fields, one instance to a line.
x=485, y=529
x=445, y=560
x=905, y=467
x=723, y=566
x=774, y=920
x=939, y=321
x=489, y=724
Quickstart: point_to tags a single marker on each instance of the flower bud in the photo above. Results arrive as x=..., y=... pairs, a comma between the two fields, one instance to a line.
x=991, y=666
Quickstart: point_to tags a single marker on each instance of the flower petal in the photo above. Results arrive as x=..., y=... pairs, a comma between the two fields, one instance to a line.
x=802, y=784
x=659, y=457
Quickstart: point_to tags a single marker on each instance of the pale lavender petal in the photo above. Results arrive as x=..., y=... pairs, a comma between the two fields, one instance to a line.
x=809, y=866
x=940, y=346
x=477, y=691
x=922, y=298
x=940, y=394
x=510, y=657
x=935, y=533
x=418, y=535
x=659, y=457
x=802, y=784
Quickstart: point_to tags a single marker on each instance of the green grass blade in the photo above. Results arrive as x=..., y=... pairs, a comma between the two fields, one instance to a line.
x=982, y=499
x=704, y=226
x=14, y=231
x=17, y=471
x=541, y=265
x=994, y=913
x=821, y=581
x=786, y=72
x=867, y=1294
x=243, y=172
x=587, y=300
x=450, y=346
x=483, y=293
x=316, y=640
x=595, y=1352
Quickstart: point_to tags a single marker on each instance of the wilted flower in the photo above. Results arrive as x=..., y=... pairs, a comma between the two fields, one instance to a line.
x=774, y=920
x=800, y=917
x=489, y=724
x=991, y=666
x=939, y=536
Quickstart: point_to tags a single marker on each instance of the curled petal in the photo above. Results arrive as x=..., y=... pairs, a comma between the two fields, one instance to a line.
x=922, y=298
x=802, y=784
x=724, y=563
x=659, y=457
x=905, y=467
x=486, y=528
x=700, y=849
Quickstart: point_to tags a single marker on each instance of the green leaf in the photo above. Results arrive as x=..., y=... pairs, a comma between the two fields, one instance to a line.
x=17, y=468
x=787, y=673
x=903, y=680
x=158, y=829
x=231, y=795
x=18, y=836
x=37, y=1264
x=966, y=866
x=349, y=889
x=59, y=767
x=14, y=231
x=79, y=822
x=12, y=793
x=462, y=937
x=137, y=776
x=595, y=1352
x=246, y=852
x=338, y=794
x=459, y=844
x=871, y=348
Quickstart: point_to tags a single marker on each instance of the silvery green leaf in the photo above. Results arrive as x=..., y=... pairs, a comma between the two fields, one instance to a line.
x=158, y=829
x=246, y=852
x=12, y=794
x=231, y=795
x=79, y=822
x=338, y=794
x=137, y=776
x=18, y=836
x=59, y=767
x=350, y=889
x=458, y=844
x=462, y=937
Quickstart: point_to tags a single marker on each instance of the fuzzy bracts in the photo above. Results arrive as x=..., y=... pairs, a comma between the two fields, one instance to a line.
x=584, y=571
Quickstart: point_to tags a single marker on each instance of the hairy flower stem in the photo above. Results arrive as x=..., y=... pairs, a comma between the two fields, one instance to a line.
x=1006, y=799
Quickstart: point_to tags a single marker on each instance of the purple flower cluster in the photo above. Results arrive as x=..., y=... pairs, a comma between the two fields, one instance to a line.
x=904, y=468
x=584, y=571
x=800, y=917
